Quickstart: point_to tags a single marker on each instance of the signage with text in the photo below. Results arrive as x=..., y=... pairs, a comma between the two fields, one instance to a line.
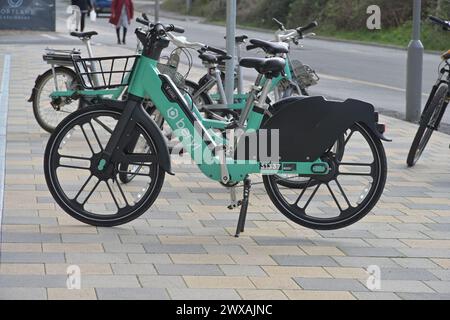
x=27, y=15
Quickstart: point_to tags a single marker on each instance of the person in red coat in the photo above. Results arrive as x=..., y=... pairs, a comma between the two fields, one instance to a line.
x=121, y=15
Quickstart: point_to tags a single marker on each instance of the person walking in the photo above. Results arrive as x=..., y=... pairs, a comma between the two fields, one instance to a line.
x=121, y=15
x=85, y=6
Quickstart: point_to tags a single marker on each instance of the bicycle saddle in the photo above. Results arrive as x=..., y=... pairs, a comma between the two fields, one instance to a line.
x=270, y=67
x=269, y=47
x=87, y=35
x=211, y=58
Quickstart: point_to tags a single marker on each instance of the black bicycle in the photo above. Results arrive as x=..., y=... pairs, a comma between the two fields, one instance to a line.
x=436, y=105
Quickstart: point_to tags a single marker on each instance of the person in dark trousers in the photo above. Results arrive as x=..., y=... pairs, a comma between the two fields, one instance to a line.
x=85, y=6
x=121, y=15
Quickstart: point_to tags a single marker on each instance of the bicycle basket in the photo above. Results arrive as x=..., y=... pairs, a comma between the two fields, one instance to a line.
x=104, y=72
x=305, y=75
x=172, y=72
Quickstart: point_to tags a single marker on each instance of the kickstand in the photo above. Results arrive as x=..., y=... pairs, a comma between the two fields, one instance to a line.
x=244, y=207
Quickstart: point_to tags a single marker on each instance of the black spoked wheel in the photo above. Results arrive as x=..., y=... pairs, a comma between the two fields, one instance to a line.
x=49, y=113
x=344, y=196
x=89, y=190
x=428, y=124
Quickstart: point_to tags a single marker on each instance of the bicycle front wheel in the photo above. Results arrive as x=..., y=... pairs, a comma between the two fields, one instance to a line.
x=83, y=189
x=428, y=124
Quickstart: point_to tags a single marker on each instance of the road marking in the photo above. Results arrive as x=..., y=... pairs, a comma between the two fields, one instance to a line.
x=49, y=36
x=366, y=83
x=4, y=99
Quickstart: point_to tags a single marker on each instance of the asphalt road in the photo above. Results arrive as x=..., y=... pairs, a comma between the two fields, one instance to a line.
x=370, y=73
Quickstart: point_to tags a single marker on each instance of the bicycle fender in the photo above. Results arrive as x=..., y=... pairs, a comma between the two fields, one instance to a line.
x=34, y=90
x=160, y=143
x=309, y=126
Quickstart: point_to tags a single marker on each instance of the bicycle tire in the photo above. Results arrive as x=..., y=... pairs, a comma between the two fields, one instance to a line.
x=43, y=80
x=426, y=129
x=70, y=204
x=346, y=217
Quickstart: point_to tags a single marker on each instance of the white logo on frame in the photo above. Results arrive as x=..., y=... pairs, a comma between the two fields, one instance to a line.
x=172, y=113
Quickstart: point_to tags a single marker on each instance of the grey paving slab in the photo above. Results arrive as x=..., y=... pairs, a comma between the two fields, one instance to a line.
x=23, y=293
x=439, y=286
x=423, y=296
x=161, y=281
x=188, y=269
x=132, y=294
x=242, y=270
x=330, y=284
x=202, y=294
x=132, y=269
x=32, y=257
x=32, y=281
x=365, y=262
x=407, y=274
x=372, y=252
x=22, y=237
x=97, y=258
x=304, y=261
x=376, y=296
x=174, y=248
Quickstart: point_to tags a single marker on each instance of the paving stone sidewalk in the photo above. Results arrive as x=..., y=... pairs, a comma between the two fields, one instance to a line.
x=183, y=247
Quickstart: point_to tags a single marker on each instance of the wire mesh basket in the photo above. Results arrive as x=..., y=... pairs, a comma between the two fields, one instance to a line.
x=306, y=76
x=105, y=72
x=172, y=72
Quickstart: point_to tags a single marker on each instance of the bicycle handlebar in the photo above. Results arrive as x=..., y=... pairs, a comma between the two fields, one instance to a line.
x=445, y=24
x=143, y=21
x=310, y=26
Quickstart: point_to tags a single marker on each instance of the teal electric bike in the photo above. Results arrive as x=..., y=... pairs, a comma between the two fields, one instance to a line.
x=91, y=147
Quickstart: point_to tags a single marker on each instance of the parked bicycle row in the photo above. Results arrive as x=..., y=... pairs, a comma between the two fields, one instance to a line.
x=109, y=117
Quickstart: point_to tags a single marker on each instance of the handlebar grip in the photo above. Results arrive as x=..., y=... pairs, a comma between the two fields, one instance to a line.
x=251, y=47
x=215, y=50
x=437, y=20
x=143, y=21
x=174, y=28
x=310, y=26
x=445, y=24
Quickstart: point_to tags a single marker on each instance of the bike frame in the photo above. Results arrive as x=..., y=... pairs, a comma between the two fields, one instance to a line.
x=147, y=82
x=444, y=78
x=240, y=99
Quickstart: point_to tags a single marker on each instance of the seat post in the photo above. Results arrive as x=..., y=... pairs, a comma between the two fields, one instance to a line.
x=87, y=43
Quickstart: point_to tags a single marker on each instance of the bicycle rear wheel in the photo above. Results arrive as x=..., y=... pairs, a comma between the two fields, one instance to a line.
x=344, y=196
x=88, y=192
x=50, y=113
x=428, y=124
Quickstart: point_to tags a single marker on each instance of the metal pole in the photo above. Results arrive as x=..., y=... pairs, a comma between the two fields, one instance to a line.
x=157, y=10
x=188, y=6
x=231, y=50
x=415, y=68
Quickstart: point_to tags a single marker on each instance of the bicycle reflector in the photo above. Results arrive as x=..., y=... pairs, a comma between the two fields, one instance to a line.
x=446, y=55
